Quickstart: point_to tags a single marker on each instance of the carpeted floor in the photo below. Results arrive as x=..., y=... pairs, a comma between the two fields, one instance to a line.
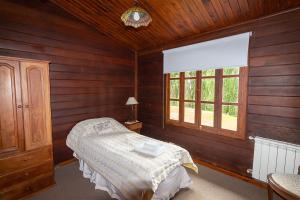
x=207, y=185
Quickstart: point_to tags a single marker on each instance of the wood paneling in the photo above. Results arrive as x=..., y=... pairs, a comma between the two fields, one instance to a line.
x=91, y=75
x=273, y=94
x=172, y=20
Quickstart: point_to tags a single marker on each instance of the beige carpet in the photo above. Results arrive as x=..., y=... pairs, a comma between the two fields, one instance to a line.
x=208, y=185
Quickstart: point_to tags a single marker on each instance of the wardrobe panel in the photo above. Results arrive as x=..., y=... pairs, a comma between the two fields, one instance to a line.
x=35, y=92
x=9, y=73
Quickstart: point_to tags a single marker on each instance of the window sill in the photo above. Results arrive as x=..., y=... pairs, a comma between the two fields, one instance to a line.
x=210, y=130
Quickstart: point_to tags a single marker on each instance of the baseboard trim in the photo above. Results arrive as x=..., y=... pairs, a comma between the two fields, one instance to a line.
x=233, y=174
x=66, y=162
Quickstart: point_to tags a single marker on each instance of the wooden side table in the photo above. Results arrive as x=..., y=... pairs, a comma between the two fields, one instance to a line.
x=286, y=185
x=136, y=127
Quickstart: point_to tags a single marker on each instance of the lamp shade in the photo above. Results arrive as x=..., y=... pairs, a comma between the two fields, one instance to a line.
x=131, y=101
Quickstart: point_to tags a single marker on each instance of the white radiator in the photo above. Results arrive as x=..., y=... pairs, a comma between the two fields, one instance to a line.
x=274, y=156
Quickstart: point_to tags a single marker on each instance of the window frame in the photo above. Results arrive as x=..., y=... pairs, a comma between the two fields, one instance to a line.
x=242, y=103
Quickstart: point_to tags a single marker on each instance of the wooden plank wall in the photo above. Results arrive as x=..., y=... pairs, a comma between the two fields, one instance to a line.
x=91, y=75
x=273, y=97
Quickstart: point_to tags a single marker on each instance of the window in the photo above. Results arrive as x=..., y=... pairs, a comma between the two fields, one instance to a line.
x=212, y=100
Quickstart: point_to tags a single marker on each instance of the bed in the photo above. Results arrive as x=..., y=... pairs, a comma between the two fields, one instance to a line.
x=113, y=158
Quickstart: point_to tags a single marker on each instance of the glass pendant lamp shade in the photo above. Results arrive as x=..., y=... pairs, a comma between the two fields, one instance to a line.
x=136, y=17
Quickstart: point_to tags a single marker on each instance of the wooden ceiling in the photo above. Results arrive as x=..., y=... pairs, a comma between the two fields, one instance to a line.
x=172, y=19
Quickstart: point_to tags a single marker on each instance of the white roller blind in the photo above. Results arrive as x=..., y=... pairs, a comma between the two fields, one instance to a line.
x=229, y=51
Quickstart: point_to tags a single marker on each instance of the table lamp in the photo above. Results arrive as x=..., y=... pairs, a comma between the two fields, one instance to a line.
x=131, y=102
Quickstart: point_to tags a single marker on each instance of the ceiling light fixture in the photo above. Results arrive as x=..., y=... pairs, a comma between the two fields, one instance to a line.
x=136, y=16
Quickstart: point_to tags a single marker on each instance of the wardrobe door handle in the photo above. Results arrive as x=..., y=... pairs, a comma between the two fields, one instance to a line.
x=19, y=106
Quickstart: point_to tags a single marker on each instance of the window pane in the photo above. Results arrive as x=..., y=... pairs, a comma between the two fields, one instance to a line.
x=231, y=71
x=208, y=89
x=189, y=112
x=174, y=89
x=208, y=72
x=190, y=74
x=230, y=90
x=190, y=88
x=229, y=117
x=207, y=114
x=174, y=110
x=174, y=75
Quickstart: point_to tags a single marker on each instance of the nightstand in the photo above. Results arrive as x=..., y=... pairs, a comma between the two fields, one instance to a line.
x=136, y=126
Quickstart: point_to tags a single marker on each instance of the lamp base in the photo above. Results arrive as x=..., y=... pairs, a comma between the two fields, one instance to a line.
x=131, y=117
x=131, y=122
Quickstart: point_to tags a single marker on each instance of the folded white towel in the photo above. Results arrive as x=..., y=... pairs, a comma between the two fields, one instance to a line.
x=150, y=148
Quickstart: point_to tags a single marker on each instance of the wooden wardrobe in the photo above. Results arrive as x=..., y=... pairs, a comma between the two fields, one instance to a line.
x=26, y=161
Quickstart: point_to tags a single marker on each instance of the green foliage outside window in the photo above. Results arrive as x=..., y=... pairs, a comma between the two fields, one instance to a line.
x=230, y=89
x=190, y=74
x=175, y=75
x=208, y=89
x=174, y=89
x=208, y=72
x=231, y=71
x=190, y=89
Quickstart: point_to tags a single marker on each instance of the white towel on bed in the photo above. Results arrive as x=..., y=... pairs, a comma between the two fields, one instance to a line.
x=150, y=148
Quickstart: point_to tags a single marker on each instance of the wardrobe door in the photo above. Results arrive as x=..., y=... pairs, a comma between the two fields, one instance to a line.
x=10, y=107
x=36, y=104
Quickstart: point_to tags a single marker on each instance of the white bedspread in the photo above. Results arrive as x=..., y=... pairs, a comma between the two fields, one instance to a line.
x=167, y=189
x=112, y=155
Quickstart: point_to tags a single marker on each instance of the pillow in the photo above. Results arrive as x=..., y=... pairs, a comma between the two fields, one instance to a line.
x=104, y=127
x=88, y=127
